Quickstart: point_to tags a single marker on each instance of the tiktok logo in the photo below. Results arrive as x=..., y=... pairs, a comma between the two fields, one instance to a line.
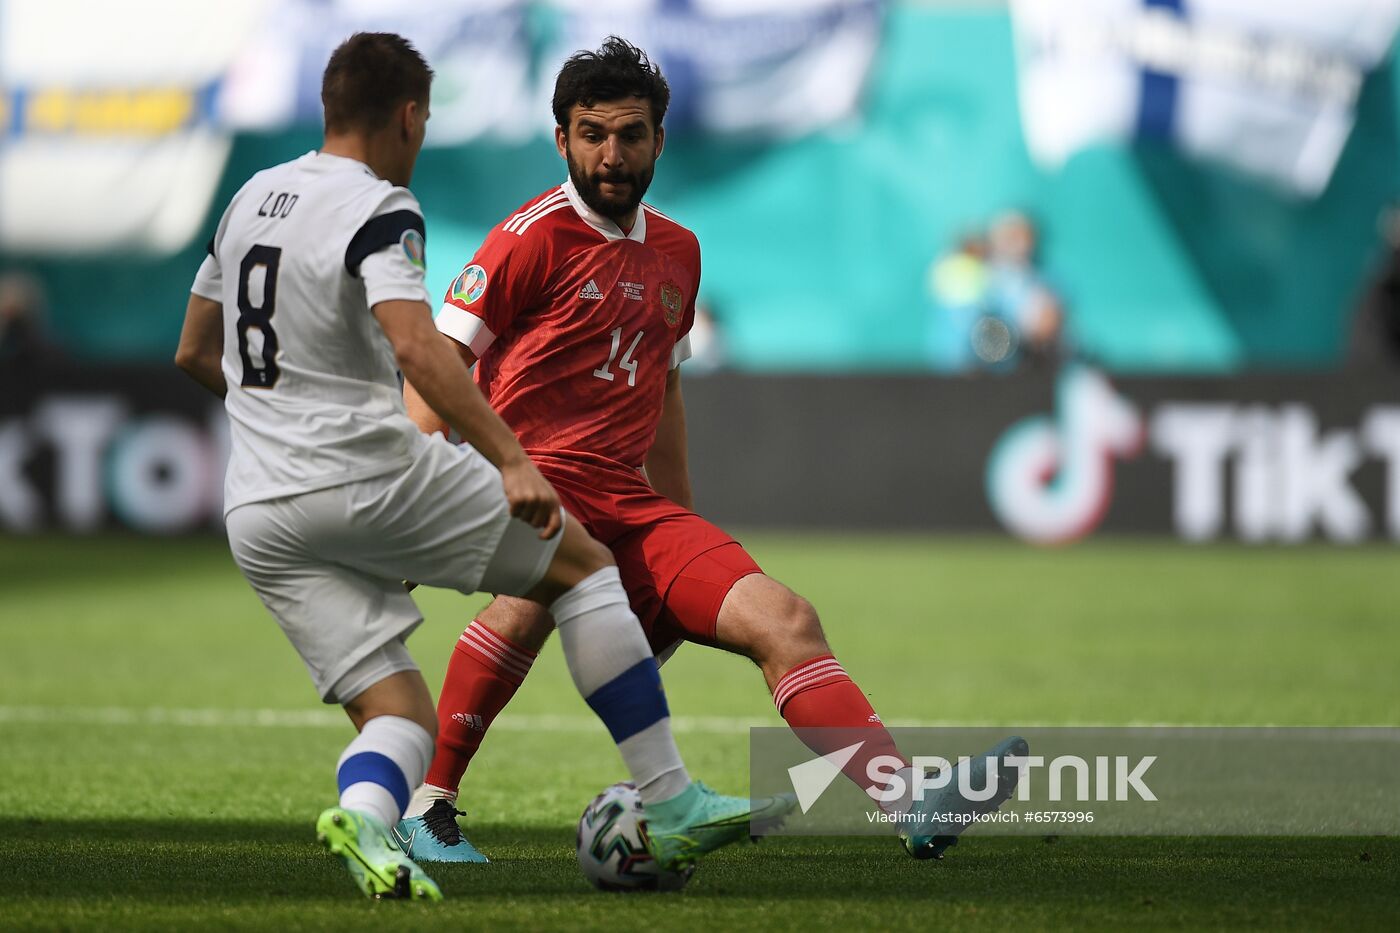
x=1049, y=479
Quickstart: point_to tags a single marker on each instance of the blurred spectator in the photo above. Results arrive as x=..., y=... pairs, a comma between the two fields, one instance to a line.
x=24, y=335
x=1375, y=331
x=1019, y=296
x=993, y=310
x=707, y=353
x=957, y=283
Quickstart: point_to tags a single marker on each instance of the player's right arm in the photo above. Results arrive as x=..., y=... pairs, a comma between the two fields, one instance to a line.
x=442, y=381
x=201, y=347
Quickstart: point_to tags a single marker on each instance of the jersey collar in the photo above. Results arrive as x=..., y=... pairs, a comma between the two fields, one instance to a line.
x=602, y=224
x=330, y=161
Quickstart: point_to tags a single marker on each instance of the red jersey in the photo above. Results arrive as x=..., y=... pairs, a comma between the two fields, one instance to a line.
x=576, y=324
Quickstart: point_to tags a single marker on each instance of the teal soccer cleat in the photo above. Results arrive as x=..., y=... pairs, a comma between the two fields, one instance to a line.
x=709, y=821
x=378, y=865
x=942, y=807
x=436, y=837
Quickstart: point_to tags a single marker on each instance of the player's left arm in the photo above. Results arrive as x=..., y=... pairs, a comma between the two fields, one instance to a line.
x=422, y=414
x=667, y=465
x=503, y=277
x=201, y=349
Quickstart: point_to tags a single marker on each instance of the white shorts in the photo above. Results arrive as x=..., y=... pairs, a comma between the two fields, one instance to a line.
x=330, y=565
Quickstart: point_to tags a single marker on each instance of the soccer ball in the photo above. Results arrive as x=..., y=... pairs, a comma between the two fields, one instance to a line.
x=612, y=849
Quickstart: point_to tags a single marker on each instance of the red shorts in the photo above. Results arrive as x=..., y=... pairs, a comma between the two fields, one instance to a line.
x=677, y=567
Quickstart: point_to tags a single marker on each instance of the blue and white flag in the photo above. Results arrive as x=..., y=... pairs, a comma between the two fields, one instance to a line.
x=1267, y=86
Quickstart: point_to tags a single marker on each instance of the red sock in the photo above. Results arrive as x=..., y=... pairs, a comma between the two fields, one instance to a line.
x=817, y=695
x=484, y=673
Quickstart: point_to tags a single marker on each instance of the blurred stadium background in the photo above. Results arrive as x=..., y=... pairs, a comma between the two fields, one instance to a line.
x=977, y=274
x=996, y=256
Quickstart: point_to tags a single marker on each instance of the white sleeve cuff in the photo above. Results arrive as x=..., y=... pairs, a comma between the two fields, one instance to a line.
x=209, y=280
x=465, y=328
x=681, y=352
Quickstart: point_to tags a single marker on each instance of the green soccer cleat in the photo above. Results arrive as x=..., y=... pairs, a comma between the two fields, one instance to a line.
x=376, y=862
x=948, y=800
x=709, y=821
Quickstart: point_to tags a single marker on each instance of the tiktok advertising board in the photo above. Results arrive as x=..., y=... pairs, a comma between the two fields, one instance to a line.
x=1049, y=458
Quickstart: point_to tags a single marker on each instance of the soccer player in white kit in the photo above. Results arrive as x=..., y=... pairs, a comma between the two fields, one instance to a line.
x=310, y=303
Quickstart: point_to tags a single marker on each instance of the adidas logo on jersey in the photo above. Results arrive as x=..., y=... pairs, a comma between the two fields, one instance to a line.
x=591, y=290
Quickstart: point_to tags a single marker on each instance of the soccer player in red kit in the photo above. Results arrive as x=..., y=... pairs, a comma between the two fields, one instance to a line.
x=577, y=308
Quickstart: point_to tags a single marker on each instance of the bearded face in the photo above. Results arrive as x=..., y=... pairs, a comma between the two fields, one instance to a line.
x=611, y=148
x=614, y=193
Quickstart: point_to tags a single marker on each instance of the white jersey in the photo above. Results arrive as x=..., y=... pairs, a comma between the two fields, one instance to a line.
x=302, y=253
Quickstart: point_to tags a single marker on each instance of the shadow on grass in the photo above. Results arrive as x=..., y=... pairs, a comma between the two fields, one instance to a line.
x=178, y=861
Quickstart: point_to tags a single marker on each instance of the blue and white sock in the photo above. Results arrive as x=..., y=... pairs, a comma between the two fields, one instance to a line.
x=613, y=668
x=379, y=770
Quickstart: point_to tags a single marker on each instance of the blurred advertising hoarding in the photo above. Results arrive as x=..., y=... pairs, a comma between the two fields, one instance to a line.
x=1053, y=458
x=109, y=134
x=1265, y=458
x=85, y=449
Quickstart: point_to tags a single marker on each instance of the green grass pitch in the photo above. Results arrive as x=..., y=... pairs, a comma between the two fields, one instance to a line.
x=141, y=789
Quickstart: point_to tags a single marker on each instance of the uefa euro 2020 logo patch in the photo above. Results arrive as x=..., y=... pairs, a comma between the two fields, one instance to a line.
x=671, y=303
x=470, y=285
x=413, y=248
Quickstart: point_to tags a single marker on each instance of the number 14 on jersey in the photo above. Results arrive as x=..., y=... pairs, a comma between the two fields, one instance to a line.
x=627, y=363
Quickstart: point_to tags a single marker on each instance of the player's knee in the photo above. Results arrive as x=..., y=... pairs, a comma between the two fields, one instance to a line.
x=522, y=623
x=802, y=625
x=792, y=632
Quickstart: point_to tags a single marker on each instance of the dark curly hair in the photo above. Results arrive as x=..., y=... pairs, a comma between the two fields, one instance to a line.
x=368, y=77
x=618, y=69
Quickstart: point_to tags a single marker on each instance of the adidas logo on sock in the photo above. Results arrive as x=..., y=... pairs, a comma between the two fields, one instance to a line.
x=470, y=720
x=591, y=290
